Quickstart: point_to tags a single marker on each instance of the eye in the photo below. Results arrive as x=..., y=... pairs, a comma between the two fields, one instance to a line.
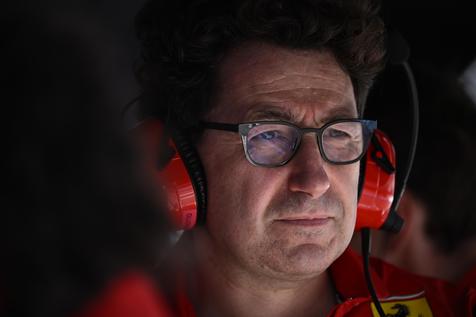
x=336, y=133
x=268, y=135
x=273, y=134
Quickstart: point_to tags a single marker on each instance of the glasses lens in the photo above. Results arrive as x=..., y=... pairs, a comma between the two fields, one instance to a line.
x=271, y=144
x=345, y=141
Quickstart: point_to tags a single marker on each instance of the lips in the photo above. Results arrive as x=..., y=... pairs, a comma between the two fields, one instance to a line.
x=319, y=221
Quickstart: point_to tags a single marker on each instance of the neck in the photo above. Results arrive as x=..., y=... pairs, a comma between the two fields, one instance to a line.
x=227, y=288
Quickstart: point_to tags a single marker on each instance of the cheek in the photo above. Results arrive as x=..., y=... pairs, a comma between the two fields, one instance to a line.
x=345, y=179
x=236, y=189
x=344, y=184
x=347, y=186
x=239, y=195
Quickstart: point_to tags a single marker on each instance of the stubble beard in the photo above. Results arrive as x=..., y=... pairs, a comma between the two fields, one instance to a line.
x=301, y=252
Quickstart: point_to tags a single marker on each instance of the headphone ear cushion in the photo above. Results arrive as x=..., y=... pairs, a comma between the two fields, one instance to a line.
x=196, y=172
x=376, y=183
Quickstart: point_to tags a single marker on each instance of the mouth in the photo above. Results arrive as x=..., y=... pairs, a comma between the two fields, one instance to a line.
x=307, y=222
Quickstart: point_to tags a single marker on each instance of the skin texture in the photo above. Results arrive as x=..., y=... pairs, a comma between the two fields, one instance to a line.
x=259, y=236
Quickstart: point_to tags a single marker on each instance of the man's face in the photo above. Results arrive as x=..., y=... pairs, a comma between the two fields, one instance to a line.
x=288, y=222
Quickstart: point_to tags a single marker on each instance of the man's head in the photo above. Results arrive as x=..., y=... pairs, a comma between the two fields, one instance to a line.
x=303, y=62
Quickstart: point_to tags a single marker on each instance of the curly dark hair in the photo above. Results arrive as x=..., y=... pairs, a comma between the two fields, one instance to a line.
x=184, y=41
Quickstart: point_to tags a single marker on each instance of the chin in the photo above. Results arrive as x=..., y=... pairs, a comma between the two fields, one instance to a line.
x=306, y=261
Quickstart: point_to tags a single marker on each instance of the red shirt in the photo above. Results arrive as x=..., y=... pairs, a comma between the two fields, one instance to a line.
x=130, y=295
x=400, y=293
x=395, y=288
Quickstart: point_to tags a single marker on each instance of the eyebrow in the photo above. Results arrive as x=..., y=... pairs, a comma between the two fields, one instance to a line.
x=271, y=112
x=267, y=112
x=341, y=112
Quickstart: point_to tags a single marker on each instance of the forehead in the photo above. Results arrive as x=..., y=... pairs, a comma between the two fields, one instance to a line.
x=259, y=78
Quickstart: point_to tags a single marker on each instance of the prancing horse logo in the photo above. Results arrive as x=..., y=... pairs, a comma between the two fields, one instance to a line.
x=402, y=311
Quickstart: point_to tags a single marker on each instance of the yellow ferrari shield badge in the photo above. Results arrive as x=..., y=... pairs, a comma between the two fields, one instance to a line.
x=404, y=307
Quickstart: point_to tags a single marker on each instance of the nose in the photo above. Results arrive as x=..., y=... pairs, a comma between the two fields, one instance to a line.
x=308, y=174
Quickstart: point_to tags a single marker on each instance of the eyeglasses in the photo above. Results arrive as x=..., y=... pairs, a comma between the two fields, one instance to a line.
x=274, y=143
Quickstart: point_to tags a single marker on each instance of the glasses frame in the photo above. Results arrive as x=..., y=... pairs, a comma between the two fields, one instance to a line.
x=244, y=128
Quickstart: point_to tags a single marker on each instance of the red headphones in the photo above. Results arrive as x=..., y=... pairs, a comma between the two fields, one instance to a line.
x=183, y=178
x=377, y=186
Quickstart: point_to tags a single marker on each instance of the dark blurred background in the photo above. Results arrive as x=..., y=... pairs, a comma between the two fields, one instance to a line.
x=110, y=27
x=440, y=33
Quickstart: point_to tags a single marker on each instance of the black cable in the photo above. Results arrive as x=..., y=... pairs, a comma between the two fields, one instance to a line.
x=414, y=138
x=400, y=57
x=365, y=236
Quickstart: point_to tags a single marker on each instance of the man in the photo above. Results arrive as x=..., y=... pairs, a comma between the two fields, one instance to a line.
x=270, y=93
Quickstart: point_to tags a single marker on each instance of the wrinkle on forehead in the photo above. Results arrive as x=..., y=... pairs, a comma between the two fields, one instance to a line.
x=260, y=72
x=276, y=113
x=303, y=96
x=259, y=60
